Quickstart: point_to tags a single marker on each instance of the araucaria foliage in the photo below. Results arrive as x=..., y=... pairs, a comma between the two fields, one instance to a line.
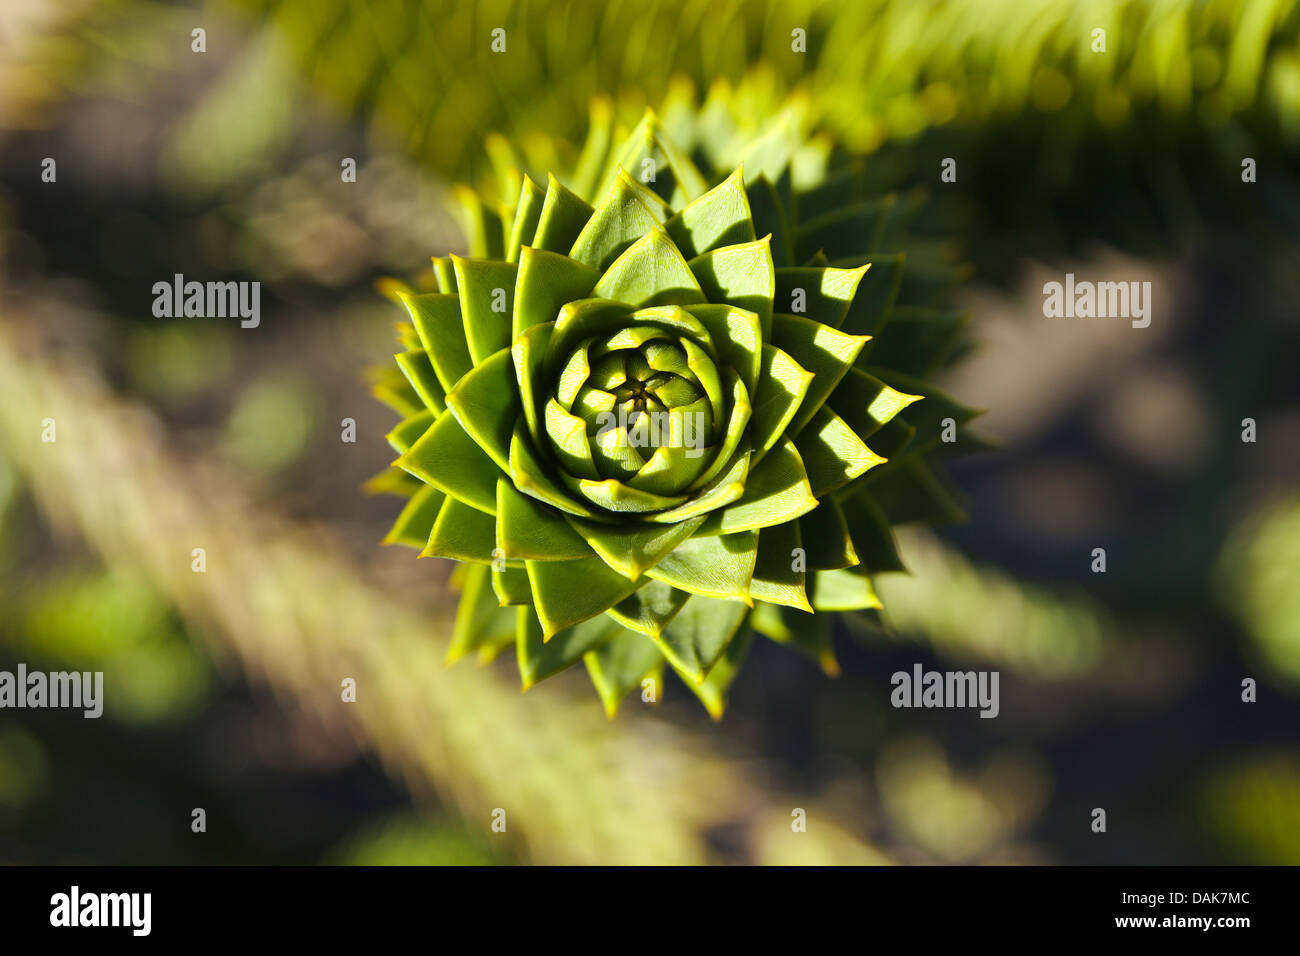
x=669, y=400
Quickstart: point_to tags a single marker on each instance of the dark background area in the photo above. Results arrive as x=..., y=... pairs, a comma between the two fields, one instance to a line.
x=1119, y=690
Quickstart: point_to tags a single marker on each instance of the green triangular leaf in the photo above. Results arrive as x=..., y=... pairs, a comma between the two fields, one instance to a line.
x=511, y=586
x=622, y=499
x=741, y=275
x=720, y=566
x=718, y=218
x=929, y=416
x=832, y=454
x=392, y=481
x=778, y=572
x=562, y=218
x=442, y=333
x=446, y=457
x=671, y=470
x=874, y=300
x=650, y=272
x=445, y=275
x=737, y=336
x=727, y=487
x=873, y=539
x=866, y=403
x=631, y=550
x=395, y=391
x=650, y=609
x=698, y=636
x=547, y=282
x=716, y=687
x=541, y=658
x=480, y=621
x=667, y=164
x=733, y=435
x=620, y=665
x=777, y=491
x=487, y=289
x=482, y=226
x=418, y=370
x=782, y=385
x=848, y=589
x=526, y=528
x=568, y=440
x=578, y=321
x=820, y=349
x=527, y=214
x=416, y=520
x=408, y=430
x=821, y=295
x=566, y=593
x=826, y=539
x=530, y=477
x=528, y=353
x=487, y=405
x=627, y=213
x=770, y=218
x=461, y=533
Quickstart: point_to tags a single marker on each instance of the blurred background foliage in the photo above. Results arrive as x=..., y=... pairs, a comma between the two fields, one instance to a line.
x=1120, y=690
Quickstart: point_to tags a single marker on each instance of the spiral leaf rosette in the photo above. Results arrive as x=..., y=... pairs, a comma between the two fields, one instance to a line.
x=655, y=410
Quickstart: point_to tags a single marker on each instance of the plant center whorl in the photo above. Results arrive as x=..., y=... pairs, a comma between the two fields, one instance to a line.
x=636, y=391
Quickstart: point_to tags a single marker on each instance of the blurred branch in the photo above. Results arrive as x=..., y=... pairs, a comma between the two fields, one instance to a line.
x=976, y=612
x=300, y=618
x=882, y=70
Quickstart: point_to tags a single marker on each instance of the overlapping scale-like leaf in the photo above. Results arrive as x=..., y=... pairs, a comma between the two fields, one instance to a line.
x=649, y=417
